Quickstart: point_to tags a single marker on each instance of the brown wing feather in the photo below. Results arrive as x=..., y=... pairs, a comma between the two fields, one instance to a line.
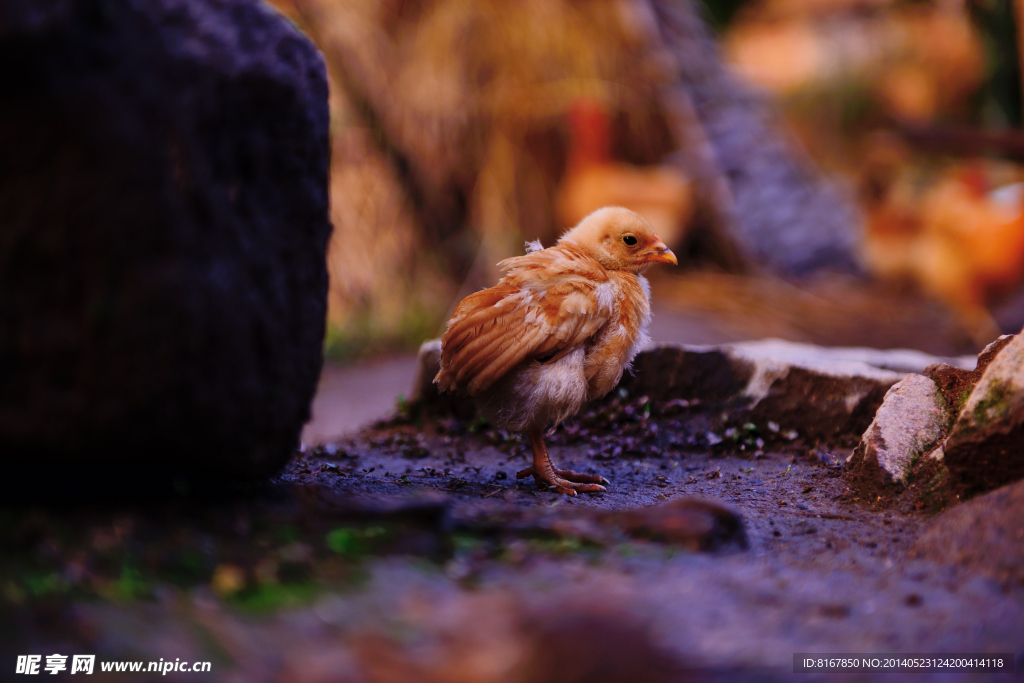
x=547, y=303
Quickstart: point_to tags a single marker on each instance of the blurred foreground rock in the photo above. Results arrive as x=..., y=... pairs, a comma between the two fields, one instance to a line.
x=163, y=220
x=984, y=535
x=691, y=523
x=822, y=392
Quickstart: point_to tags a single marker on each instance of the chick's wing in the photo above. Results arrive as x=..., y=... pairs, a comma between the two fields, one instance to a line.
x=548, y=303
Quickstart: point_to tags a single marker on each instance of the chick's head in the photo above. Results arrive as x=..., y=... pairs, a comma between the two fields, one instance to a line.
x=619, y=239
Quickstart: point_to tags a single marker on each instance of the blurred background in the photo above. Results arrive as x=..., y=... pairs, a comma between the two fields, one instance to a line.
x=842, y=172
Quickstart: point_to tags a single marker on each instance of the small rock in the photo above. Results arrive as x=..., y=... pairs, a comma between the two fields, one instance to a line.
x=911, y=420
x=428, y=364
x=983, y=450
x=984, y=535
x=692, y=523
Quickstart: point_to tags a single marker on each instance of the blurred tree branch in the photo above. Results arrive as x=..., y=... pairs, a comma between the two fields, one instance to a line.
x=775, y=207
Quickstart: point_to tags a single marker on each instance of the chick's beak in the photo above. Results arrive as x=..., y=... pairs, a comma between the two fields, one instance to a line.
x=660, y=253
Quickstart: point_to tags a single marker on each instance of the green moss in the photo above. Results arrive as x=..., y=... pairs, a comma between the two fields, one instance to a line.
x=352, y=543
x=273, y=597
x=132, y=585
x=467, y=543
x=933, y=489
x=43, y=585
x=994, y=406
x=187, y=568
x=563, y=546
x=286, y=533
x=962, y=400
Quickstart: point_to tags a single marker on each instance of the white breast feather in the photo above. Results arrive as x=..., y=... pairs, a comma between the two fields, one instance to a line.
x=606, y=294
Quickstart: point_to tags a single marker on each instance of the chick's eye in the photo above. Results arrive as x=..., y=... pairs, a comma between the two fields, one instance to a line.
x=629, y=240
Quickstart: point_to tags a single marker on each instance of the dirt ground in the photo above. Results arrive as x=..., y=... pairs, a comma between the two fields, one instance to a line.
x=410, y=552
x=822, y=570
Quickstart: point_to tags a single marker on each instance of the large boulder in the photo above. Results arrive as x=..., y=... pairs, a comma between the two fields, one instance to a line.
x=163, y=224
x=985, y=535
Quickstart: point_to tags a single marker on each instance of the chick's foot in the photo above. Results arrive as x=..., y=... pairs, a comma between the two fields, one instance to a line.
x=560, y=481
x=564, y=481
x=570, y=475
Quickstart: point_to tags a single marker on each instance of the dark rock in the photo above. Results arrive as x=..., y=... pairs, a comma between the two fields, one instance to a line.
x=696, y=524
x=954, y=383
x=985, y=535
x=821, y=405
x=163, y=222
x=821, y=392
x=692, y=523
x=912, y=419
x=668, y=372
x=983, y=450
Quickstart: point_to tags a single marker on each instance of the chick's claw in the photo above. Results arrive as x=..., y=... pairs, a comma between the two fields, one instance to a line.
x=577, y=477
x=565, y=482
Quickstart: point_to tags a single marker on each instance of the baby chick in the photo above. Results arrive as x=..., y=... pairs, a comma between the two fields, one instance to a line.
x=556, y=331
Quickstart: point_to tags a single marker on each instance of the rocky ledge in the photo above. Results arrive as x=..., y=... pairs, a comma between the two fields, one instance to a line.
x=823, y=393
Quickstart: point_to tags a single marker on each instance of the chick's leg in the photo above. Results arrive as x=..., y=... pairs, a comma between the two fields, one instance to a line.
x=561, y=481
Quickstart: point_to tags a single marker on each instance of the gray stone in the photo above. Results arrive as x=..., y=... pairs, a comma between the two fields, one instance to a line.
x=912, y=419
x=163, y=224
x=821, y=392
x=984, y=535
x=810, y=355
x=985, y=448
